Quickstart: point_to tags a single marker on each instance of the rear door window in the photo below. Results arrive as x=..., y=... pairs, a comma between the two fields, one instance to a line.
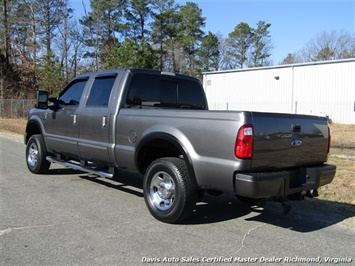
x=101, y=91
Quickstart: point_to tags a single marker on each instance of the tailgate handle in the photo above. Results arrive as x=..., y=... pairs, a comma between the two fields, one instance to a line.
x=296, y=128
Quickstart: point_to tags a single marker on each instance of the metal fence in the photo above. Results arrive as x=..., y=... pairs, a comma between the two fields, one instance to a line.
x=15, y=108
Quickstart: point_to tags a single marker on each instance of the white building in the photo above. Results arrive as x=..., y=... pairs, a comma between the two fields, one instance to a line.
x=319, y=88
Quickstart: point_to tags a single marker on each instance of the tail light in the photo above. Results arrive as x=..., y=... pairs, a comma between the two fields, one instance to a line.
x=244, y=143
x=329, y=139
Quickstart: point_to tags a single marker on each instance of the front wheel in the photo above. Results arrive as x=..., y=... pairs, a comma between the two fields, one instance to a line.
x=36, y=155
x=169, y=192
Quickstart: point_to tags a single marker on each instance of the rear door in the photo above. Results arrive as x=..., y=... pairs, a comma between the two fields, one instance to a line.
x=96, y=120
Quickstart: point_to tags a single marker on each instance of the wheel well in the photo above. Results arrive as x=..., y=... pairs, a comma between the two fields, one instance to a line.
x=31, y=129
x=154, y=149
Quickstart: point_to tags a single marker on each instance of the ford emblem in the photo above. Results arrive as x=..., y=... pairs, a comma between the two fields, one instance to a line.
x=296, y=143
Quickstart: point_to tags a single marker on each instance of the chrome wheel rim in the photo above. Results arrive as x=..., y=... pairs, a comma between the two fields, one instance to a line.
x=162, y=191
x=32, y=157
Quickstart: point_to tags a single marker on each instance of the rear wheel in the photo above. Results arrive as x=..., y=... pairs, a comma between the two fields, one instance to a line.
x=169, y=192
x=36, y=155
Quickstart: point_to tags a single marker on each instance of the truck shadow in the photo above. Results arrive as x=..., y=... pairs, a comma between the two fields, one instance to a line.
x=63, y=171
x=129, y=183
x=305, y=216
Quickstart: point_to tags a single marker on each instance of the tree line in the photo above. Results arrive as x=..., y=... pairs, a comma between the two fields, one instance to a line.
x=332, y=45
x=43, y=45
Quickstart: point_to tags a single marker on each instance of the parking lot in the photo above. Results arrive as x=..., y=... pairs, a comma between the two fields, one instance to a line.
x=73, y=218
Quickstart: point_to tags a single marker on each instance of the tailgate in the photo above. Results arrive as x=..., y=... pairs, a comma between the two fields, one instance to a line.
x=288, y=140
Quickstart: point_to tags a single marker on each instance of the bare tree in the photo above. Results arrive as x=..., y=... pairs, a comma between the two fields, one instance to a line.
x=6, y=33
x=328, y=46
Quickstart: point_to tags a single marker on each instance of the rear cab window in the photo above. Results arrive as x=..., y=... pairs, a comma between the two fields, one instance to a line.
x=164, y=91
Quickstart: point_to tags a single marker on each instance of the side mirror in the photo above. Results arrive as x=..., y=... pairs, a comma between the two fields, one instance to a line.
x=41, y=99
x=52, y=100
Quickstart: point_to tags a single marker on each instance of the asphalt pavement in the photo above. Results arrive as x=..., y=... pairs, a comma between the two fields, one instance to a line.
x=68, y=217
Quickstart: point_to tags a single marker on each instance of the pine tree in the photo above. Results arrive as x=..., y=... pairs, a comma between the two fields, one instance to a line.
x=290, y=59
x=51, y=75
x=260, y=45
x=164, y=17
x=239, y=41
x=137, y=15
x=209, y=53
x=190, y=33
x=101, y=26
x=131, y=55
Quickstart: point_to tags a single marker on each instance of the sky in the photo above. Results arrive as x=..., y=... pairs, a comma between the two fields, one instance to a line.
x=293, y=22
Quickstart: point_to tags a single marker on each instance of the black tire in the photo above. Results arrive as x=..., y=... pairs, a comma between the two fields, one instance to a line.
x=36, y=155
x=169, y=192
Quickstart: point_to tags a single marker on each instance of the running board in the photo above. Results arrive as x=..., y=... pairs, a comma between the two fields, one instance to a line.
x=79, y=167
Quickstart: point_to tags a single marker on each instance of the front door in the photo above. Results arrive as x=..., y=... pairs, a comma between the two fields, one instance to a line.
x=62, y=123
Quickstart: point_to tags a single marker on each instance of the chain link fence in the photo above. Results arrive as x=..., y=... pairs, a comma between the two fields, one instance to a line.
x=343, y=113
x=15, y=108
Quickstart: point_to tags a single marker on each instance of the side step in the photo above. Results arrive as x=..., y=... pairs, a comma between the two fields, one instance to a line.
x=79, y=167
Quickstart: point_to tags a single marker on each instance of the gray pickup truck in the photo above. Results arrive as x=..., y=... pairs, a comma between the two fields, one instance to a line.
x=158, y=124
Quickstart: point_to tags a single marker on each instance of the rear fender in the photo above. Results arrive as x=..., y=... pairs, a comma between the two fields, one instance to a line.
x=170, y=145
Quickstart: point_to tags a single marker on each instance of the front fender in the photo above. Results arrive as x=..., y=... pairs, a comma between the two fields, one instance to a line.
x=35, y=125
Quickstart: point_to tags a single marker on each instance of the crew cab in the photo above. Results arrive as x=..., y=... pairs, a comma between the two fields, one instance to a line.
x=158, y=124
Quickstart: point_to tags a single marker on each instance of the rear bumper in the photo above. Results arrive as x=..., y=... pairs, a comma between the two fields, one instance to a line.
x=283, y=183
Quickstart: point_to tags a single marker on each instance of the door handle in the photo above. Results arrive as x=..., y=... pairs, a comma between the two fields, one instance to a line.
x=104, y=121
x=75, y=119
